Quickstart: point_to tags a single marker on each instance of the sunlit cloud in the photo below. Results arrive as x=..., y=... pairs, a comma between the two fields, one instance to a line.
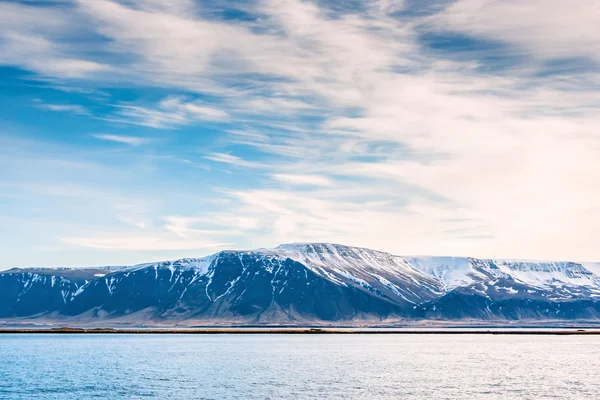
x=468, y=129
x=131, y=140
x=303, y=179
x=170, y=112
x=142, y=243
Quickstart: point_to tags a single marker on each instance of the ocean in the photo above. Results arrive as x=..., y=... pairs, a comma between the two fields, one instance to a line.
x=276, y=366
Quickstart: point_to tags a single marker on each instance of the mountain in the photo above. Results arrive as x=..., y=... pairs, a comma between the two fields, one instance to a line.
x=306, y=284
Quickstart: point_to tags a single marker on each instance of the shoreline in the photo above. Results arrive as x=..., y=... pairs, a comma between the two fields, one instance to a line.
x=302, y=331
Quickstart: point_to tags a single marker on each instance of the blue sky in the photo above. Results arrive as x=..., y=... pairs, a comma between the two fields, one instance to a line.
x=138, y=130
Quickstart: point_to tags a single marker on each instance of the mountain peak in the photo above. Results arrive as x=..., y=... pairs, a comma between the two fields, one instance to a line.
x=308, y=282
x=322, y=247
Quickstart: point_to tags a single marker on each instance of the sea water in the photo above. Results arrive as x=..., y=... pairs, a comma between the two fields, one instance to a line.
x=276, y=366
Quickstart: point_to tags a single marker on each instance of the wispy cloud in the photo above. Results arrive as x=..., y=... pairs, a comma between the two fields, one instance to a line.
x=131, y=140
x=73, y=108
x=302, y=179
x=170, y=112
x=142, y=243
x=548, y=29
x=233, y=160
x=176, y=233
x=375, y=126
x=31, y=38
x=135, y=221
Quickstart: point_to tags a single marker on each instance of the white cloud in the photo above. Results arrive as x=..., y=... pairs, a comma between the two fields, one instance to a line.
x=233, y=160
x=302, y=179
x=170, y=112
x=135, y=221
x=142, y=243
x=74, y=108
x=131, y=140
x=288, y=216
x=548, y=29
x=70, y=68
x=30, y=37
x=177, y=233
x=403, y=150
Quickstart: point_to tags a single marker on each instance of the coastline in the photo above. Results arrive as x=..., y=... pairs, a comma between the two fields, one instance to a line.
x=307, y=330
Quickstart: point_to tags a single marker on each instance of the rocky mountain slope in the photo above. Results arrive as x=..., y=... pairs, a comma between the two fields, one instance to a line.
x=304, y=284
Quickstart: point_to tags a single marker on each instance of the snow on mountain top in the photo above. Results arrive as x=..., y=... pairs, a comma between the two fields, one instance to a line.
x=593, y=267
x=336, y=262
x=543, y=273
x=321, y=247
x=199, y=264
x=451, y=271
x=344, y=257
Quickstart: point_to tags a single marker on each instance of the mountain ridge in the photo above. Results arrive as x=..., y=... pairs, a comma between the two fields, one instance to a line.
x=596, y=264
x=315, y=283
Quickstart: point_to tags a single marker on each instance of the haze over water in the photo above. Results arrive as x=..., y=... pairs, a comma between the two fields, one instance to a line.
x=298, y=366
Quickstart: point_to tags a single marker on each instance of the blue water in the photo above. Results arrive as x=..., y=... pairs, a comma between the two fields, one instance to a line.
x=298, y=367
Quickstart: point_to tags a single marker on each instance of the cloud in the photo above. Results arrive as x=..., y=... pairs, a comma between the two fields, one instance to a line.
x=130, y=140
x=135, y=221
x=30, y=37
x=141, y=243
x=548, y=29
x=177, y=233
x=233, y=160
x=74, y=108
x=302, y=179
x=288, y=216
x=348, y=126
x=70, y=68
x=170, y=112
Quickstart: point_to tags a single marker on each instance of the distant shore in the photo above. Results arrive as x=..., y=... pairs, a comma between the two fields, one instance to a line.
x=201, y=331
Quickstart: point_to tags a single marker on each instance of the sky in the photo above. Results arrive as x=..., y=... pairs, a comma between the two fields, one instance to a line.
x=143, y=130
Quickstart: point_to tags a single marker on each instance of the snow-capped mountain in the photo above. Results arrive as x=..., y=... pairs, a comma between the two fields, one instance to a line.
x=304, y=283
